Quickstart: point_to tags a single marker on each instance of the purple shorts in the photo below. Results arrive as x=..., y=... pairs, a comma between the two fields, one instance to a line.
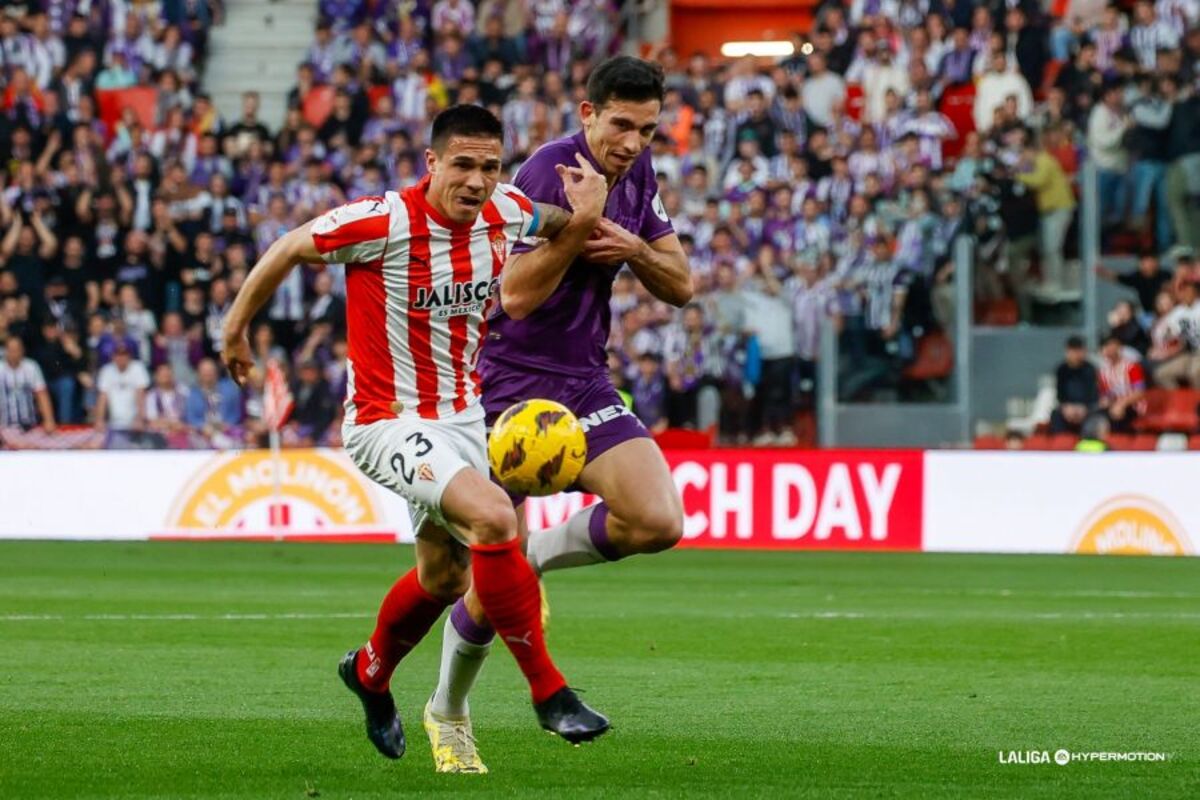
x=606, y=421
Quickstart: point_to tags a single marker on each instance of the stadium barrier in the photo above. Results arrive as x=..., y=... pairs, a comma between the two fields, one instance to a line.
x=937, y=501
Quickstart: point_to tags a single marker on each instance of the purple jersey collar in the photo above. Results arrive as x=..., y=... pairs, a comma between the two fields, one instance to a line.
x=581, y=143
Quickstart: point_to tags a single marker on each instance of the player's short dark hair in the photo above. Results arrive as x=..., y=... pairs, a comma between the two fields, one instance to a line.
x=464, y=120
x=1075, y=343
x=625, y=78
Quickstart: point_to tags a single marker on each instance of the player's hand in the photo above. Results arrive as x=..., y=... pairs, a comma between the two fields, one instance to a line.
x=586, y=189
x=611, y=244
x=237, y=357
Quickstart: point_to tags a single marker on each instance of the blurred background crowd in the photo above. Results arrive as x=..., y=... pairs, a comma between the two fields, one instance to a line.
x=830, y=184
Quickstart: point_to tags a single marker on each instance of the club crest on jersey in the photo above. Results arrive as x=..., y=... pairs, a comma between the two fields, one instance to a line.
x=453, y=299
x=500, y=246
x=425, y=472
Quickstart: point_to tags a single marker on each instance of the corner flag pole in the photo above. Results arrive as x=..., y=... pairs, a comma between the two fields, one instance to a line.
x=277, y=406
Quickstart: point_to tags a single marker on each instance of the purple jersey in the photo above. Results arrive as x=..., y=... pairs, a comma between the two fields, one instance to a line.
x=567, y=334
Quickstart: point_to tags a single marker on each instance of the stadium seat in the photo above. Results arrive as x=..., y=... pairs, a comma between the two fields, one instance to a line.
x=1180, y=413
x=1063, y=441
x=1120, y=441
x=686, y=439
x=1156, y=406
x=1145, y=441
x=1038, y=441
x=111, y=103
x=1002, y=312
x=934, y=359
x=318, y=105
x=1128, y=442
x=374, y=93
x=1194, y=441
x=1049, y=76
x=855, y=101
x=958, y=104
x=989, y=443
x=805, y=427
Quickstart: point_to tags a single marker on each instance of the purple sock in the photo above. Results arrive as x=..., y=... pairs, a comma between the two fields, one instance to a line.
x=468, y=628
x=598, y=532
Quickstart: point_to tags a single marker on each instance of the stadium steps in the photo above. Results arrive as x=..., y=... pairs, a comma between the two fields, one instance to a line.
x=258, y=48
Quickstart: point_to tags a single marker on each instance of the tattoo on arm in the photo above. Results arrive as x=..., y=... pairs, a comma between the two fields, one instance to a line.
x=552, y=220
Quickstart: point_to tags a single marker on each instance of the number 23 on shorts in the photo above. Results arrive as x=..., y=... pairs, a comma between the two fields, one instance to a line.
x=402, y=462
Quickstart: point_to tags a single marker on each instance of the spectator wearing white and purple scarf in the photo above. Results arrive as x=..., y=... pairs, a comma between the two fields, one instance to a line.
x=453, y=15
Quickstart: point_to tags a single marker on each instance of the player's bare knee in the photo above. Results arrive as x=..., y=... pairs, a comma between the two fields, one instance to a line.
x=445, y=580
x=493, y=522
x=663, y=531
x=655, y=530
x=448, y=586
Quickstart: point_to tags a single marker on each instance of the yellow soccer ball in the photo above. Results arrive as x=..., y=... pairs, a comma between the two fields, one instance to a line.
x=537, y=448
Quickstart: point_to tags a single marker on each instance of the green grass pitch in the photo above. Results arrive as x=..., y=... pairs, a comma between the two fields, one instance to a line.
x=207, y=670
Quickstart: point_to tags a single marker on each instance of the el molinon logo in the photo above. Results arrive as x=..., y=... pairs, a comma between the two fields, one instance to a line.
x=235, y=493
x=1132, y=525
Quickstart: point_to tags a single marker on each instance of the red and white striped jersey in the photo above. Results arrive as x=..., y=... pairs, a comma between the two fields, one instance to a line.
x=1120, y=379
x=418, y=291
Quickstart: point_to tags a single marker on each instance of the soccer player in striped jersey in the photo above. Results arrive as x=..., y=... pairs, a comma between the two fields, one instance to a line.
x=421, y=273
x=548, y=340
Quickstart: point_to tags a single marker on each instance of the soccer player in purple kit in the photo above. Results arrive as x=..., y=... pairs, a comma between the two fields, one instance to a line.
x=548, y=340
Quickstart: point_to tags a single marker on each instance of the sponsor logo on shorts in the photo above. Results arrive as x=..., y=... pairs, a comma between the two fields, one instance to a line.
x=1132, y=525
x=603, y=415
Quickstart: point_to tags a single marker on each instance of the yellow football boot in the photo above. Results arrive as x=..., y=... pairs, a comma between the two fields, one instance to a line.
x=453, y=743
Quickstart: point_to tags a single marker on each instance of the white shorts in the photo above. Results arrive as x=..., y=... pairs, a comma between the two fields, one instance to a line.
x=416, y=458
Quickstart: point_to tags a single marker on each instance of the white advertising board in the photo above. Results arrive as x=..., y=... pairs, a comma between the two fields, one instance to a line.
x=193, y=494
x=1106, y=503
x=1110, y=503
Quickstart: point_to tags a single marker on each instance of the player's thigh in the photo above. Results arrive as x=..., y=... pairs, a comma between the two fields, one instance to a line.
x=522, y=522
x=635, y=482
x=478, y=508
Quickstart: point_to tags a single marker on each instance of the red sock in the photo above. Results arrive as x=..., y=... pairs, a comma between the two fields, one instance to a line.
x=508, y=591
x=407, y=614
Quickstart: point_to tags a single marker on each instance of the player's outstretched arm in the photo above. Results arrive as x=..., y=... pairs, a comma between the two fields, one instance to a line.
x=661, y=265
x=530, y=278
x=293, y=248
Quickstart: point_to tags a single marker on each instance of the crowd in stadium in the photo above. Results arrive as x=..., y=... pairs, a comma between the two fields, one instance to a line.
x=831, y=183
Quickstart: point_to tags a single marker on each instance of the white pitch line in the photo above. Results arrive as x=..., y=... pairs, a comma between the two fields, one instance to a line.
x=1087, y=593
x=818, y=615
x=1016, y=615
x=233, y=617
